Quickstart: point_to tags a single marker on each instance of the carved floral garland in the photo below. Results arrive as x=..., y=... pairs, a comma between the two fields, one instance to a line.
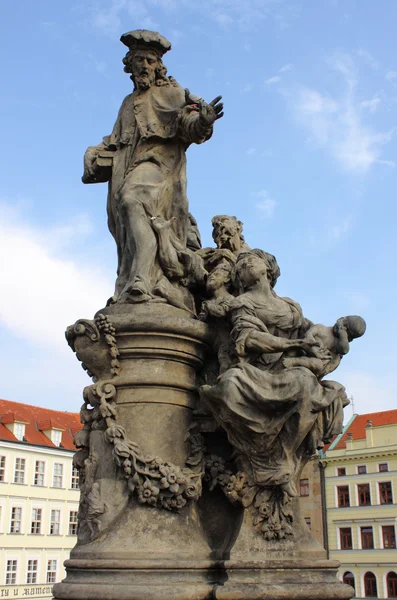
x=271, y=507
x=155, y=482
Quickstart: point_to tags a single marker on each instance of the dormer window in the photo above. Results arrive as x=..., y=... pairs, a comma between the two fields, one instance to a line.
x=17, y=427
x=56, y=437
x=19, y=431
x=54, y=433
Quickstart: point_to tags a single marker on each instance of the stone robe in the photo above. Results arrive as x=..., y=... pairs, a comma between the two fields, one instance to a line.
x=153, y=129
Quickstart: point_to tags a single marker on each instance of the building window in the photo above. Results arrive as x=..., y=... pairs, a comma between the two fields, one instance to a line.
x=2, y=468
x=16, y=519
x=39, y=470
x=57, y=480
x=73, y=522
x=367, y=538
x=308, y=522
x=31, y=573
x=19, y=431
x=304, y=487
x=75, y=485
x=56, y=437
x=11, y=572
x=346, y=541
x=370, y=587
x=383, y=467
x=389, y=536
x=385, y=492
x=19, y=474
x=348, y=578
x=36, y=520
x=55, y=523
x=391, y=581
x=364, y=494
x=362, y=469
x=343, y=496
x=51, y=571
x=341, y=471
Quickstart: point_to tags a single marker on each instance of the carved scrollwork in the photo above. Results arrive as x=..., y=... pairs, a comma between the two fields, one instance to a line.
x=94, y=343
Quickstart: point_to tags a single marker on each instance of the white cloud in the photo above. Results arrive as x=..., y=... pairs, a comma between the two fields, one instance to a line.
x=108, y=15
x=250, y=151
x=372, y=104
x=338, y=124
x=271, y=80
x=368, y=58
x=266, y=205
x=286, y=68
x=391, y=76
x=41, y=293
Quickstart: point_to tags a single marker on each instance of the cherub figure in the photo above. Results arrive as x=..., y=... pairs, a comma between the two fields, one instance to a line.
x=330, y=345
x=219, y=286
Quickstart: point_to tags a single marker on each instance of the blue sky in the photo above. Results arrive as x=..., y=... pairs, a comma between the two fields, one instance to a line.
x=305, y=156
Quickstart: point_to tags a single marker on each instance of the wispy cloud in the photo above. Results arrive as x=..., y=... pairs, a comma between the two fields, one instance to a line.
x=250, y=151
x=391, y=76
x=368, y=58
x=278, y=77
x=338, y=124
x=247, y=88
x=271, y=80
x=266, y=204
x=338, y=230
x=245, y=15
x=372, y=104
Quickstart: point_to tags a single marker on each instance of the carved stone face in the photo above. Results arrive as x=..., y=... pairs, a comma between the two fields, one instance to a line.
x=218, y=278
x=226, y=233
x=144, y=65
x=250, y=269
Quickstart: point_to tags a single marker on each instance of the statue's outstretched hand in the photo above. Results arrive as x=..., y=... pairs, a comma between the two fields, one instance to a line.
x=209, y=113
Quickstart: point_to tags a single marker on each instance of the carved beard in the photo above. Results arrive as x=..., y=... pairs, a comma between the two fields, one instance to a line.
x=143, y=82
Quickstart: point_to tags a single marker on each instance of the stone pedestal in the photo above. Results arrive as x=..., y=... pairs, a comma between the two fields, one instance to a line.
x=133, y=551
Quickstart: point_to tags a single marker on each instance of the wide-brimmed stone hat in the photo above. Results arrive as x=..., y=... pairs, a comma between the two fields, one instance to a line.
x=142, y=38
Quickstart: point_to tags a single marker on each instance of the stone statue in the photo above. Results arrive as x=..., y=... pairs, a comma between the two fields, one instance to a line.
x=257, y=399
x=227, y=233
x=147, y=172
x=208, y=393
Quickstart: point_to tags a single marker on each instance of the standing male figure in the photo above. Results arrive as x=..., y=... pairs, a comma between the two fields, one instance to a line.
x=154, y=127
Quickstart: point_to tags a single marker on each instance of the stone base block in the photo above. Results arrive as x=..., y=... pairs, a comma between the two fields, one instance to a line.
x=202, y=580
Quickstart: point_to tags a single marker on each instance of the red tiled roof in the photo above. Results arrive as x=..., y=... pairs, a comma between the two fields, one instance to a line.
x=34, y=417
x=357, y=427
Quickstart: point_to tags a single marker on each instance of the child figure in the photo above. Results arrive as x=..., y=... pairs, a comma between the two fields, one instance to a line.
x=331, y=344
x=215, y=312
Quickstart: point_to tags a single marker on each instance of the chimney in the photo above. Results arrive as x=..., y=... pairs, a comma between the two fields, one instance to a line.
x=349, y=441
x=369, y=434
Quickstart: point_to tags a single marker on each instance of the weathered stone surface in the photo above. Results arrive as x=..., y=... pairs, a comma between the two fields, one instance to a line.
x=208, y=395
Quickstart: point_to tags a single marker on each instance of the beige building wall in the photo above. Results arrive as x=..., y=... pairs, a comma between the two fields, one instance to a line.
x=56, y=496
x=360, y=460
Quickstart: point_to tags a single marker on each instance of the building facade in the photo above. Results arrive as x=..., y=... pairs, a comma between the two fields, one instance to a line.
x=360, y=469
x=39, y=496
